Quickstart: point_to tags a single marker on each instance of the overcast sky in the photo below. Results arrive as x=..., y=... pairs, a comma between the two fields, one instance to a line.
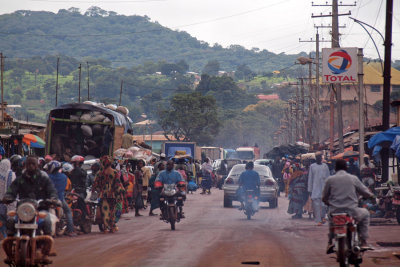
x=275, y=25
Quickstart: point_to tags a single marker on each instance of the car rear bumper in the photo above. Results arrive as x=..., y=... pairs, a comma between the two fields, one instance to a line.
x=266, y=194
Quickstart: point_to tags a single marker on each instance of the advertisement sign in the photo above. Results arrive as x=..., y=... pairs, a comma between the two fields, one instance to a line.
x=339, y=65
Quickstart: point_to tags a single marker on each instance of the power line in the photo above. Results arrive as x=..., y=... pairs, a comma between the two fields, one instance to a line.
x=95, y=2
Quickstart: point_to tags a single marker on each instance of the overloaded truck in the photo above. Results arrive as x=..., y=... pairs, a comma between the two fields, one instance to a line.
x=87, y=129
x=173, y=148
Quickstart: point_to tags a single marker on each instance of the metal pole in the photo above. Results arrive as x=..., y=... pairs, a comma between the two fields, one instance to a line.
x=310, y=105
x=361, y=117
x=386, y=85
x=58, y=64
x=331, y=120
x=79, y=85
x=302, y=117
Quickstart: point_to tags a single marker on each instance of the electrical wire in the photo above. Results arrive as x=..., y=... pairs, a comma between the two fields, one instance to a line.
x=376, y=19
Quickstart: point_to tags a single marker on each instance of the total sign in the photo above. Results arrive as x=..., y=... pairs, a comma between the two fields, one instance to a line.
x=339, y=65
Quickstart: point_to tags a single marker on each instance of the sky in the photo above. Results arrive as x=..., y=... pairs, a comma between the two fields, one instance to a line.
x=274, y=25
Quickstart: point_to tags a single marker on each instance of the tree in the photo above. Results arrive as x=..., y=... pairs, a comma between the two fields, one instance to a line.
x=190, y=117
x=243, y=72
x=211, y=68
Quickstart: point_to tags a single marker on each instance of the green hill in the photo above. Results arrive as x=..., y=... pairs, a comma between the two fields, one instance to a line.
x=123, y=40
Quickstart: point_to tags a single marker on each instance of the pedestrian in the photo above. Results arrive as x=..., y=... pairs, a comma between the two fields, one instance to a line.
x=146, y=174
x=7, y=176
x=277, y=173
x=155, y=192
x=95, y=168
x=286, y=173
x=367, y=172
x=137, y=189
x=110, y=189
x=317, y=176
x=162, y=160
x=298, y=195
x=206, y=181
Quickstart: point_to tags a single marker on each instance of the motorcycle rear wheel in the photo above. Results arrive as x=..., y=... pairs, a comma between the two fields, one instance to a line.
x=172, y=217
x=86, y=227
x=341, y=253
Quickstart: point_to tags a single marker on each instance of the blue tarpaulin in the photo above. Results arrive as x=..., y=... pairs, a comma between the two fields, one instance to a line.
x=396, y=146
x=387, y=136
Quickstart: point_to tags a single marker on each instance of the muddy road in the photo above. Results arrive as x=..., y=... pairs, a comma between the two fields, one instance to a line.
x=215, y=236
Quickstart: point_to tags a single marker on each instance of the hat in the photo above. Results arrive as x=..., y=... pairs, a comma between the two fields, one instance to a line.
x=162, y=155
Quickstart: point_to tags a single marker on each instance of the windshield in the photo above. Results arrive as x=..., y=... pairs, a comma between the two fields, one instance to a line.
x=245, y=154
x=261, y=169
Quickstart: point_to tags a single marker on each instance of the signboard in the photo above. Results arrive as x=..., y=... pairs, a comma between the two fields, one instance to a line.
x=339, y=65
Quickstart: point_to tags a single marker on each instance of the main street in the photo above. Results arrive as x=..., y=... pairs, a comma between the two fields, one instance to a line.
x=215, y=236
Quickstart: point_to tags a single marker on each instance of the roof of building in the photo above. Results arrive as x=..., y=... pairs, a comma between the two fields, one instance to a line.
x=373, y=74
x=268, y=97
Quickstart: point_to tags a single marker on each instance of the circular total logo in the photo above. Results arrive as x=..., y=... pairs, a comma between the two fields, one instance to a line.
x=339, y=62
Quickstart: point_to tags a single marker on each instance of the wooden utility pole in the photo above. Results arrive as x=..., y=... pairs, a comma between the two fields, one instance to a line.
x=310, y=105
x=317, y=89
x=120, y=92
x=302, y=112
x=79, y=84
x=58, y=64
x=88, y=90
x=386, y=85
x=2, y=86
x=290, y=122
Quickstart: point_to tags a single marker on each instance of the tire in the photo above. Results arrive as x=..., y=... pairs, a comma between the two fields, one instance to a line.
x=342, y=253
x=24, y=253
x=248, y=216
x=398, y=214
x=227, y=202
x=101, y=227
x=86, y=227
x=172, y=217
x=273, y=203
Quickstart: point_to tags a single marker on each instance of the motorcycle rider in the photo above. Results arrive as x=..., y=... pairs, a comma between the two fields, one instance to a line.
x=60, y=182
x=78, y=178
x=248, y=180
x=171, y=176
x=341, y=192
x=31, y=184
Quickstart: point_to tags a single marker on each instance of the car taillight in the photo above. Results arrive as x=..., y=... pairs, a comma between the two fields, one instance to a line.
x=269, y=182
x=229, y=181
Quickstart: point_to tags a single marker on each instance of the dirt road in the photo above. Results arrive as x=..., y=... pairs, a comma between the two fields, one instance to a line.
x=215, y=236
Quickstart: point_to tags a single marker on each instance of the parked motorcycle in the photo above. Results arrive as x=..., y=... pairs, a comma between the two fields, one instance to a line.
x=396, y=201
x=170, y=195
x=26, y=248
x=250, y=204
x=346, y=241
x=79, y=218
x=389, y=200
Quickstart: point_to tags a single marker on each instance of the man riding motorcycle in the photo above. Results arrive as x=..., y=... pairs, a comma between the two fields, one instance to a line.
x=341, y=192
x=78, y=178
x=31, y=184
x=248, y=180
x=171, y=176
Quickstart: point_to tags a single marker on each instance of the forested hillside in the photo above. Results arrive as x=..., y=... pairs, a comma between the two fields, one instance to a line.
x=123, y=40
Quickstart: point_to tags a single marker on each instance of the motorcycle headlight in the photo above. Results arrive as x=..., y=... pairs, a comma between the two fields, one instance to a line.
x=170, y=192
x=26, y=212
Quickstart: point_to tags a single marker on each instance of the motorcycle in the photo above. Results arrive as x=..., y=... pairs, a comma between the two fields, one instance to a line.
x=79, y=218
x=250, y=204
x=396, y=201
x=26, y=247
x=169, y=197
x=95, y=211
x=346, y=241
x=389, y=200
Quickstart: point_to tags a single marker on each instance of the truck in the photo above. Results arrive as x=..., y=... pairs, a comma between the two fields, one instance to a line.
x=171, y=148
x=248, y=153
x=84, y=129
x=213, y=153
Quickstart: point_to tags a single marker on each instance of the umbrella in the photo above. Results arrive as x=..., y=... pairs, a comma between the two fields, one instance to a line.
x=33, y=141
x=346, y=154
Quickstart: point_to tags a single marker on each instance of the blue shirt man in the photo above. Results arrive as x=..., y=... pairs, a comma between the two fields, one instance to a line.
x=249, y=179
x=169, y=176
x=60, y=182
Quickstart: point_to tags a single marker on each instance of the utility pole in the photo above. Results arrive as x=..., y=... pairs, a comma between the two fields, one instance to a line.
x=310, y=105
x=361, y=117
x=88, y=91
x=386, y=85
x=335, y=43
x=120, y=92
x=290, y=122
x=302, y=117
x=2, y=86
x=79, y=84
x=58, y=64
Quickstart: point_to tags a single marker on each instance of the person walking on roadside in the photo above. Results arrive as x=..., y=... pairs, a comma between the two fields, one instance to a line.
x=206, y=181
x=155, y=192
x=317, y=176
x=297, y=192
x=108, y=184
